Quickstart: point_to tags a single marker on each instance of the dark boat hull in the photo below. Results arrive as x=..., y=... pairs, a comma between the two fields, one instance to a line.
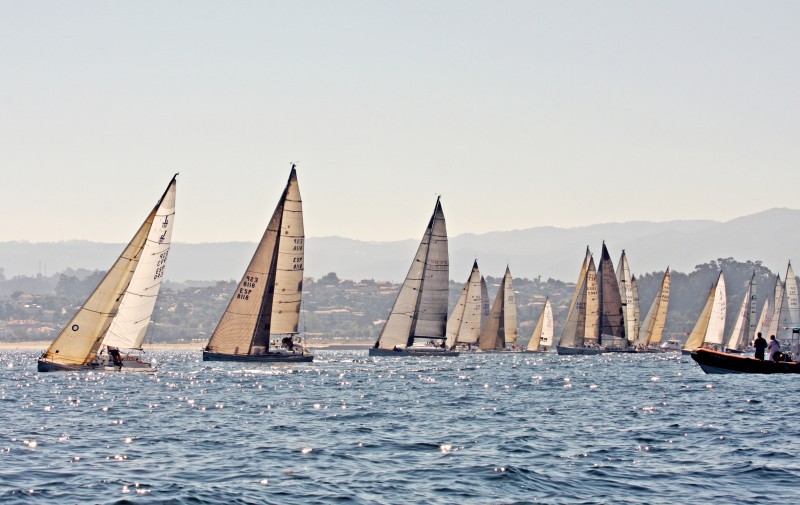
x=270, y=357
x=43, y=365
x=715, y=362
x=571, y=351
x=399, y=353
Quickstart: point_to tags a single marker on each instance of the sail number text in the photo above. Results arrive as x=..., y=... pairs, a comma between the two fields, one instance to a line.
x=248, y=285
x=162, y=262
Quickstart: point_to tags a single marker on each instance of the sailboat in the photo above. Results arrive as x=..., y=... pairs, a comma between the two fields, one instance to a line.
x=580, y=332
x=708, y=330
x=501, y=327
x=419, y=314
x=636, y=310
x=466, y=321
x=788, y=317
x=117, y=313
x=612, y=320
x=744, y=328
x=267, y=300
x=625, y=280
x=652, y=329
x=542, y=337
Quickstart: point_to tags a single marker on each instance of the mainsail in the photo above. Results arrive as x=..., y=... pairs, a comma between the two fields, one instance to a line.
x=745, y=321
x=592, y=313
x=711, y=323
x=626, y=294
x=129, y=327
x=612, y=324
x=501, y=328
x=573, y=334
x=763, y=318
x=543, y=333
x=486, y=308
x=653, y=325
x=267, y=299
x=790, y=310
x=636, y=310
x=777, y=303
x=79, y=341
x=464, y=325
x=420, y=310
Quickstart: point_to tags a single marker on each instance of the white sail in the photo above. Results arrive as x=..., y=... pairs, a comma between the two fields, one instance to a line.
x=464, y=325
x=742, y=329
x=543, y=333
x=267, y=299
x=129, y=326
x=792, y=299
x=485, y=305
x=79, y=341
x=652, y=328
x=777, y=304
x=716, y=322
x=626, y=294
x=763, y=318
x=418, y=312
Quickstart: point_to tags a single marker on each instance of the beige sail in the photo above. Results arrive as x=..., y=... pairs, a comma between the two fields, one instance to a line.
x=792, y=298
x=129, y=326
x=486, y=307
x=652, y=328
x=420, y=310
x=509, y=310
x=502, y=324
x=464, y=325
x=78, y=342
x=574, y=330
x=267, y=299
x=742, y=328
x=592, y=322
x=581, y=278
x=762, y=319
x=543, y=333
x=636, y=310
x=626, y=294
x=698, y=334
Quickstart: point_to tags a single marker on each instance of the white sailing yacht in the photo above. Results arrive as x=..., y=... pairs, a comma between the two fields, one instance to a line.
x=652, y=329
x=581, y=330
x=418, y=320
x=744, y=328
x=710, y=326
x=501, y=327
x=542, y=338
x=117, y=313
x=267, y=299
x=465, y=323
x=625, y=280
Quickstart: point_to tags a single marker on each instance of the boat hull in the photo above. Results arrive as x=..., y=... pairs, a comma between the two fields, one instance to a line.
x=269, y=357
x=400, y=353
x=715, y=362
x=573, y=351
x=50, y=366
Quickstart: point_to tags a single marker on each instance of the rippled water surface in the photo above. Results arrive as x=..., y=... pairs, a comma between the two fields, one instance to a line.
x=352, y=429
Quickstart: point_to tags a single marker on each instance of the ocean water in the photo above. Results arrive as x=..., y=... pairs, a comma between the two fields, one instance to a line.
x=352, y=429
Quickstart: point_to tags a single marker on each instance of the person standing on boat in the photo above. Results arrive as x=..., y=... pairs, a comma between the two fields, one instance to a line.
x=773, y=347
x=760, y=344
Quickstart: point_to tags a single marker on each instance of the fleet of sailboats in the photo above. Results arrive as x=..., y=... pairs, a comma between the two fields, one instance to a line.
x=261, y=321
x=117, y=313
x=267, y=299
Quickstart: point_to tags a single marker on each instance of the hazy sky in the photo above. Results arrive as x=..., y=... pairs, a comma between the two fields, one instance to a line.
x=520, y=114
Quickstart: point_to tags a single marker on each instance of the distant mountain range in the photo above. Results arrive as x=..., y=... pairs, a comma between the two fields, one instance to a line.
x=771, y=236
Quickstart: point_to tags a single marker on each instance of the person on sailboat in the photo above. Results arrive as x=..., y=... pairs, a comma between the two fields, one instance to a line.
x=774, y=347
x=760, y=345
